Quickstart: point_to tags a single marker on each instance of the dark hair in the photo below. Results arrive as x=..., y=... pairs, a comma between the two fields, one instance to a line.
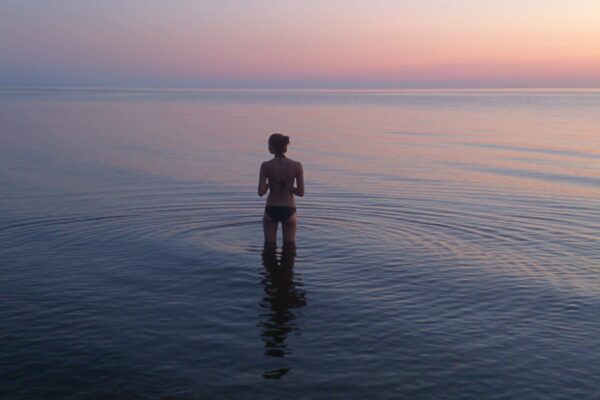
x=279, y=143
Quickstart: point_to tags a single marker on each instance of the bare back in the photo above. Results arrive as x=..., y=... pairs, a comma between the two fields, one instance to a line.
x=280, y=174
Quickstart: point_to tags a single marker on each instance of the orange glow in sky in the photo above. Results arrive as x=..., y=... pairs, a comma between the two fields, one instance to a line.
x=385, y=43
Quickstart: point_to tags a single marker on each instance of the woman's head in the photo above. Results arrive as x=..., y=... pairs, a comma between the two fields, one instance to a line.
x=278, y=143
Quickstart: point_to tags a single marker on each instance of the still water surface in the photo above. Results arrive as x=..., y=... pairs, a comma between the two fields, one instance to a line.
x=448, y=245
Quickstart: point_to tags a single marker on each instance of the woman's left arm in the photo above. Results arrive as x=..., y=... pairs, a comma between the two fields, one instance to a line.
x=263, y=186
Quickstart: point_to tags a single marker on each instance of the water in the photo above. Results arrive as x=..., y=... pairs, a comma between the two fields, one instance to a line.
x=448, y=245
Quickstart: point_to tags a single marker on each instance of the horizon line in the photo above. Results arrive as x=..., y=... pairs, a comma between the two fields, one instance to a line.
x=294, y=88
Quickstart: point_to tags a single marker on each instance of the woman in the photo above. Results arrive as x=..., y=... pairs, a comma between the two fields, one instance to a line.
x=277, y=176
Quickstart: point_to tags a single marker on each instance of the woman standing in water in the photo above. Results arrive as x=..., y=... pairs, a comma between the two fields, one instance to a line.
x=277, y=176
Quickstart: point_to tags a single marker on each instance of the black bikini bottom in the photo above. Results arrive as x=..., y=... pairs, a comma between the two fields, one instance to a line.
x=280, y=213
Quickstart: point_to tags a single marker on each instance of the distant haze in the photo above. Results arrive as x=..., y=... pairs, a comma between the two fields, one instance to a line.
x=310, y=43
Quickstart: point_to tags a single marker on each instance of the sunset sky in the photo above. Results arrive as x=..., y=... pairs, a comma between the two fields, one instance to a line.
x=310, y=43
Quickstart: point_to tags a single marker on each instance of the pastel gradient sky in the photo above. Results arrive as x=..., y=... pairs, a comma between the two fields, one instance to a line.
x=308, y=43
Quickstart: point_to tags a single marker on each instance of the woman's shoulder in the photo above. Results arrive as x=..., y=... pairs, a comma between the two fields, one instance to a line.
x=298, y=166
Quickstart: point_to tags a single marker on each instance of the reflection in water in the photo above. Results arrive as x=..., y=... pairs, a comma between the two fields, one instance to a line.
x=283, y=294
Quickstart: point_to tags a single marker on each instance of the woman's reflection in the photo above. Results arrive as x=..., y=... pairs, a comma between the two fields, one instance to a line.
x=283, y=294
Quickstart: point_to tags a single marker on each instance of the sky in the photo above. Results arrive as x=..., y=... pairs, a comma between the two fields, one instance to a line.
x=300, y=43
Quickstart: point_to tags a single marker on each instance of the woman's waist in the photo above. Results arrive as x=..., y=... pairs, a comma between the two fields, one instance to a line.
x=281, y=202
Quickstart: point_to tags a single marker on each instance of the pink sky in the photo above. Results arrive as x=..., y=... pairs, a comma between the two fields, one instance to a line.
x=385, y=43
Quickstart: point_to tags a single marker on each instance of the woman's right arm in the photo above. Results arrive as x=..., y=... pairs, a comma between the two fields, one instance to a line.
x=299, y=189
x=263, y=186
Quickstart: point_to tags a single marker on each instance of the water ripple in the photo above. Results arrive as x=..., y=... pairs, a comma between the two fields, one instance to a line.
x=464, y=227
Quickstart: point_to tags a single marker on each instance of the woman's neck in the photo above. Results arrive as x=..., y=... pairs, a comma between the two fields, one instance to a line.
x=279, y=155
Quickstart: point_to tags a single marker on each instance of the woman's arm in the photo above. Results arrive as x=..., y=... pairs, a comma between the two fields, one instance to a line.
x=299, y=189
x=263, y=186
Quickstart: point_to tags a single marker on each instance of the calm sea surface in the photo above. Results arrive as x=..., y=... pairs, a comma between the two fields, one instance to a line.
x=448, y=247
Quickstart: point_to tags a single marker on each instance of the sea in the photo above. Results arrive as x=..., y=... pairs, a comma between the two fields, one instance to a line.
x=448, y=245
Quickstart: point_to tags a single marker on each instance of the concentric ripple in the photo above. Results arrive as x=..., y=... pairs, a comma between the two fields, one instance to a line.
x=506, y=233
